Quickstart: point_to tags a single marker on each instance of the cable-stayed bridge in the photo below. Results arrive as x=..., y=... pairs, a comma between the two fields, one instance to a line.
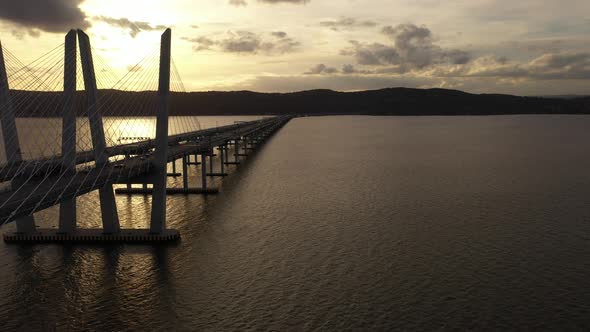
x=102, y=137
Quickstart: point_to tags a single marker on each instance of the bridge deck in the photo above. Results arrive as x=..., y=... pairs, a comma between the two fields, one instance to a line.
x=42, y=166
x=46, y=191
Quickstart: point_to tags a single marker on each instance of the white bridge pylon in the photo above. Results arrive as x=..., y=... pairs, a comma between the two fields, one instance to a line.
x=67, y=162
x=75, y=166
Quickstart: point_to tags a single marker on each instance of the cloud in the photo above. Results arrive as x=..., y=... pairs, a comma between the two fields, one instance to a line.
x=134, y=27
x=279, y=34
x=321, y=69
x=536, y=46
x=347, y=23
x=238, y=3
x=560, y=66
x=413, y=49
x=33, y=16
x=201, y=43
x=547, y=67
x=246, y=42
x=347, y=69
x=242, y=42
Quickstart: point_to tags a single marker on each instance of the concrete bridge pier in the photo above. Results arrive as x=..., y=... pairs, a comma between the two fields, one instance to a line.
x=196, y=162
x=236, y=151
x=221, y=154
x=245, y=147
x=185, y=171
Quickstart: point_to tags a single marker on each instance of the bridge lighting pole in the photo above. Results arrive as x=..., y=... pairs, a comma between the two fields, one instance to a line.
x=67, y=207
x=11, y=144
x=158, y=218
x=108, y=207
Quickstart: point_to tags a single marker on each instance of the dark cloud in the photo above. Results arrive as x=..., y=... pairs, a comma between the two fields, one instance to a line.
x=134, y=27
x=321, y=69
x=351, y=69
x=201, y=43
x=242, y=42
x=34, y=16
x=559, y=66
x=238, y=3
x=555, y=67
x=279, y=34
x=246, y=42
x=347, y=23
x=537, y=46
x=413, y=48
x=372, y=54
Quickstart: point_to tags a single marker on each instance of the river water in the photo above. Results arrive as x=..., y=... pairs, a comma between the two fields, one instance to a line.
x=342, y=223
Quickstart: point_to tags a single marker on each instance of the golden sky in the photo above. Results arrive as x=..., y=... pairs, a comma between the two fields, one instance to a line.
x=529, y=47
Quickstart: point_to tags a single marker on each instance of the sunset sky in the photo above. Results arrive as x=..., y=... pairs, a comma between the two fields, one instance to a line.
x=527, y=47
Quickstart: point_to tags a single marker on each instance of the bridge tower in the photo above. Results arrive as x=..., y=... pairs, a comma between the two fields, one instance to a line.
x=108, y=207
x=158, y=217
x=41, y=183
x=67, y=207
x=11, y=143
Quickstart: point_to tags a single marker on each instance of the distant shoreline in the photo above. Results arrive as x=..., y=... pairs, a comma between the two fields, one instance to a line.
x=391, y=102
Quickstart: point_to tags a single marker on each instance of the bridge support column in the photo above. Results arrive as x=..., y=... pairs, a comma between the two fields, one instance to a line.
x=222, y=157
x=174, y=166
x=158, y=218
x=236, y=150
x=129, y=185
x=226, y=148
x=10, y=137
x=67, y=206
x=211, y=163
x=108, y=207
x=185, y=171
x=204, y=172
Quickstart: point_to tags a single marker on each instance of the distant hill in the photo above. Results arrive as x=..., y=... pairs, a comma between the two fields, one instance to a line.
x=564, y=96
x=391, y=101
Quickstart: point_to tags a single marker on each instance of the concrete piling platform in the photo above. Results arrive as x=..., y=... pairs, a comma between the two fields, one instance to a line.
x=169, y=191
x=93, y=236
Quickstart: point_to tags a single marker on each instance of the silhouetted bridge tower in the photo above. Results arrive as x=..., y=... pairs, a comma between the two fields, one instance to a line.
x=34, y=184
